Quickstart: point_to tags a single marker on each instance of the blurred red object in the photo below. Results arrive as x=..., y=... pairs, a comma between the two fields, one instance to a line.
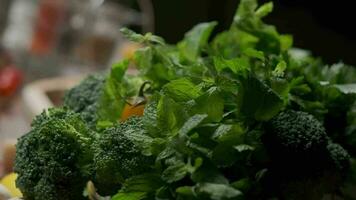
x=50, y=15
x=10, y=80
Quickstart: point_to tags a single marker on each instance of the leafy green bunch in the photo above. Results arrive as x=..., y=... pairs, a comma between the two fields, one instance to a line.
x=239, y=115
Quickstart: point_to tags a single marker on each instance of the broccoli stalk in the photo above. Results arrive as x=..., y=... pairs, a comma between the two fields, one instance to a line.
x=53, y=160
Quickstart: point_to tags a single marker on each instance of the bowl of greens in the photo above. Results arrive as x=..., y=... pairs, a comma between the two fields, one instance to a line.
x=241, y=115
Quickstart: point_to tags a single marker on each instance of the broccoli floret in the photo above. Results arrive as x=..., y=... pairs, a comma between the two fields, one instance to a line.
x=118, y=155
x=84, y=98
x=305, y=163
x=295, y=139
x=53, y=160
x=339, y=157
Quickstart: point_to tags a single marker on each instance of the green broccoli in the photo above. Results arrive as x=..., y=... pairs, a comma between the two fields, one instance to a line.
x=339, y=157
x=297, y=139
x=53, y=160
x=118, y=155
x=84, y=98
x=305, y=163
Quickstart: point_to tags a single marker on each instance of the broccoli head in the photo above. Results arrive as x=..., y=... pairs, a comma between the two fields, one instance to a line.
x=85, y=97
x=296, y=139
x=339, y=157
x=118, y=155
x=305, y=163
x=53, y=160
x=331, y=178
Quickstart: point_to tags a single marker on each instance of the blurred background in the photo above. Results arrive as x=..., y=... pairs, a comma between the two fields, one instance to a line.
x=46, y=46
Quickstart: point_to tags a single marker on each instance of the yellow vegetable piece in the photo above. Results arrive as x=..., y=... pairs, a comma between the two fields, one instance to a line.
x=137, y=105
x=132, y=110
x=128, y=49
x=9, y=183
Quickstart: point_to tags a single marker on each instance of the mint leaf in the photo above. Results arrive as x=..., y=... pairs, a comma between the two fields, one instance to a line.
x=181, y=90
x=256, y=100
x=280, y=68
x=114, y=95
x=211, y=191
x=243, y=147
x=143, y=183
x=222, y=130
x=191, y=123
x=233, y=43
x=243, y=184
x=286, y=42
x=144, y=58
x=228, y=137
x=195, y=40
x=147, y=38
x=215, y=176
x=218, y=191
x=254, y=53
x=248, y=18
x=131, y=35
x=129, y=196
x=155, y=64
x=226, y=132
x=170, y=115
x=210, y=103
x=186, y=192
x=118, y=70
x=139, y=187
x=178, y=170
x=346, y=88
x=236, y=65
x=224, y=154
x=175, y=172
x=264, y=10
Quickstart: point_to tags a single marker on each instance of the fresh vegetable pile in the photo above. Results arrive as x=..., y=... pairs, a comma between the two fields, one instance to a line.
x=243, y=115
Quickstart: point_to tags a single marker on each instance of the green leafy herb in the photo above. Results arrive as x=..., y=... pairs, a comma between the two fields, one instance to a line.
x=237, y=115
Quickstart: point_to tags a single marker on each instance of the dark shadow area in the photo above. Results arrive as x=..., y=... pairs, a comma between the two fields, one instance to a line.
x=325, y=28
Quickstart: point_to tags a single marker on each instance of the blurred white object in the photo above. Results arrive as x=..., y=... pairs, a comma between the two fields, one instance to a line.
x=18, y=34
x=4, y=194
x=35, y=95
x=100, y=25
